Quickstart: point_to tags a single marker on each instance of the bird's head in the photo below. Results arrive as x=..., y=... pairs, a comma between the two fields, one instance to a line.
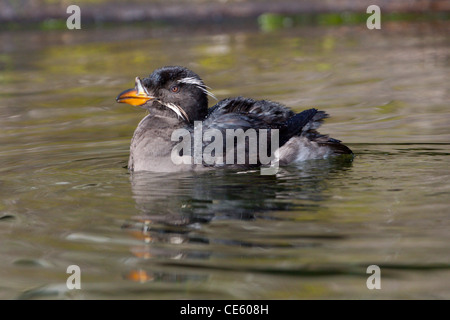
x=176, y=88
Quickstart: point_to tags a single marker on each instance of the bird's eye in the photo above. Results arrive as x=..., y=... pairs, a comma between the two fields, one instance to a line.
x=175, y=89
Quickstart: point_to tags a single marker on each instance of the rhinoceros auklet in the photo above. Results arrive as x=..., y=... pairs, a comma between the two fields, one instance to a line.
x=177, y=101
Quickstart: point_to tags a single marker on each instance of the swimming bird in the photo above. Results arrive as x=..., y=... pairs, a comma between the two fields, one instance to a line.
x=166, y=140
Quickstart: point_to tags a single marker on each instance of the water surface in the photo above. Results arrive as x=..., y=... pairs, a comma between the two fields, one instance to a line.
x=310, y=231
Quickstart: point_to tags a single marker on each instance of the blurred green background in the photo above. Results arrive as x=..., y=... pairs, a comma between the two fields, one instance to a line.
x=52, y=12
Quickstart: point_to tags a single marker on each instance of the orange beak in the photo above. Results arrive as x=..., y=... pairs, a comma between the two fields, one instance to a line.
x=137, y=96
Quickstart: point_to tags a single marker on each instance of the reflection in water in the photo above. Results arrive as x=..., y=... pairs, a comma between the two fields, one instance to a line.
x=175, y=207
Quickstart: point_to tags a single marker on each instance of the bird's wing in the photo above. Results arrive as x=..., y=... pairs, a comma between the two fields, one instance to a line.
x=244, y=114
x=235, y=134
x=265, y=110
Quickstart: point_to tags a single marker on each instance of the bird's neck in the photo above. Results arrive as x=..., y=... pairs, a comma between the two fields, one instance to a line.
x=163, y=111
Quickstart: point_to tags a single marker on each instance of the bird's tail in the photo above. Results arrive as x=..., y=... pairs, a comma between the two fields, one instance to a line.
x=305, y=124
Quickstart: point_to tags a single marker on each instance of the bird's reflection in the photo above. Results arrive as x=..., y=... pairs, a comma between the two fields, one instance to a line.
x=173, y=208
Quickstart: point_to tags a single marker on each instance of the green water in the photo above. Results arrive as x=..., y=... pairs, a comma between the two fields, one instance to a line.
x=311, y=231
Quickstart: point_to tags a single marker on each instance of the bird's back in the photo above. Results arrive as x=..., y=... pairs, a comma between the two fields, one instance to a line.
x=298, y=135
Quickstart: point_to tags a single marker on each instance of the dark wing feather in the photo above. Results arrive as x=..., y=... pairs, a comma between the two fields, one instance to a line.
x=296, y=124
x=265, y=110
